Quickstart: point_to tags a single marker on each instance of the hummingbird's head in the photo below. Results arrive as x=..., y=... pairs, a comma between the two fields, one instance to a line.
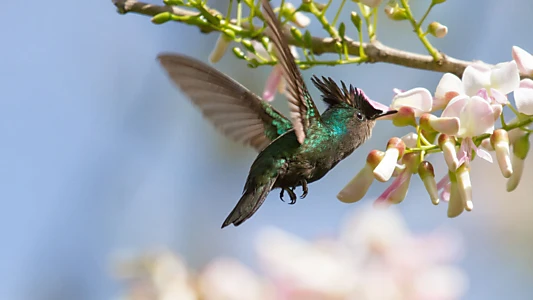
x=353, y=97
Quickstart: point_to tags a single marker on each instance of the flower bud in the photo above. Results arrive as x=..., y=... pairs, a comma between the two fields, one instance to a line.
x=395, y=149
x=524, y=60
x=395, y=13
x=410, y=140
x=369, y=3
x=239, y=53
x=464, y=186
x=435, y=2
x=445, y=125
x=404, y=117
x=437, y=29
x=356, y=189
x=499, y=140
x=447, y=145
x=520, y=150
x=455, y=204
x=356, y=20
x=296, y=17
x=427, y=174
x=220, y=48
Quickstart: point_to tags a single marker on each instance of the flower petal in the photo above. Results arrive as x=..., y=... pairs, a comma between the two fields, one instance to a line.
x=454, y=108
x=524, y=60
x=476, y=77
x=418, y=98
x=523, y=97
x=476, y=117
x=272, y=83
x=449, y=86
x=504, y=77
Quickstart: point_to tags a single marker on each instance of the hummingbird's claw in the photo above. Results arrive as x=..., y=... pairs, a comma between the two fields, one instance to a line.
x=291, y=193
x=304, y=189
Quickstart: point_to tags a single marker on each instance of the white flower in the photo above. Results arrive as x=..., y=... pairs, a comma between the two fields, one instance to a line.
x=523, y=97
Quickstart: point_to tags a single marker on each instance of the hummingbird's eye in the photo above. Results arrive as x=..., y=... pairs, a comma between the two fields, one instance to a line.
x=360, y=116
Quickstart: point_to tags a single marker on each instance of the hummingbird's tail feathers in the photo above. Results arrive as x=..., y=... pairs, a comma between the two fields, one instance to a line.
x=249, y=203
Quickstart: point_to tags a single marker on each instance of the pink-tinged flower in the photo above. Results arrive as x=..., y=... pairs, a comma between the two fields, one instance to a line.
x=476, y=116
x=397, y=191
x=493, y=84
x=427, y=174
x=395, y=149
x=448, y=88
x=523, y=96
x=419, y=99
x=444, y=186
x=520, y=150
x=446, y=125
x=500, y=143
x=220, y=48
x=524, y=60
x=356, y=189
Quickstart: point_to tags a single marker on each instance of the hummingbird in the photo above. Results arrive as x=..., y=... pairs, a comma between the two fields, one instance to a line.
x=292, y=152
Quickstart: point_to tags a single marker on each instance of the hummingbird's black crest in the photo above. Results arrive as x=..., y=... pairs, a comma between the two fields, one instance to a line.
x=333, y=95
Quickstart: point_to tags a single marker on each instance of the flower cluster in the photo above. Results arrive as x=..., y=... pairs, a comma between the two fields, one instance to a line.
x=464, y=130
x=375, y=256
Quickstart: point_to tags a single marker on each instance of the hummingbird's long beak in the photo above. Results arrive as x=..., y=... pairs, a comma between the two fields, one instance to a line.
x=387, y=113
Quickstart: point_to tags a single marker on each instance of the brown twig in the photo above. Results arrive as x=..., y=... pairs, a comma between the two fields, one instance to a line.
x=375, y=51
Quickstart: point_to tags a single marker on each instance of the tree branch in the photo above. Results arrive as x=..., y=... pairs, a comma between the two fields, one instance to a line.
x=376, y=51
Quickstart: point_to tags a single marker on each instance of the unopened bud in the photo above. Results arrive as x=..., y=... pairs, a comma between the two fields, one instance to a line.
x=299, y=19
x=220, y=48
x=435, y=2
x=162, y=18
x=395, y=13
x=500, y=142
x=455, y=204
x=395, y=149
x=239, y=53
x=427, y=174
x=520, y=150
x=445, y=125
x=464, y=186
x=447, y=145
x=356, y=20
x=437, y=29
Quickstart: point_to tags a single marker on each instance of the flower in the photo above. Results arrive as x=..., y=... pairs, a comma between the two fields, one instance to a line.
x=395, y=149
x=500, y=143
x=523, y=60
x=523, y=97
x=356, y=189
x=476, y=116
x=220, y=48
x=419, y=99
x=492, y=83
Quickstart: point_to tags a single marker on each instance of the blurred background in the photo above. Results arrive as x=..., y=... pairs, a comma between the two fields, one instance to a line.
x=103, y=157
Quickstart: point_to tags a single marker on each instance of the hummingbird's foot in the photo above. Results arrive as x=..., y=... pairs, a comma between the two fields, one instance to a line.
x=291, y=193
x=304, y=189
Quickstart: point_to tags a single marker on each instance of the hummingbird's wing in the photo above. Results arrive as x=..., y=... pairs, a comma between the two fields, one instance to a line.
x=303, y=109
x=233, y=109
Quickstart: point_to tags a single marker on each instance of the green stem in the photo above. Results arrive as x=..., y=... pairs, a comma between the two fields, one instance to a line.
x=425, y=15
x=516, y=112
x=338, y=13
x=416, y=26
x=372, y=35
x=228, y=14
x=239, y=12
x=323, y=21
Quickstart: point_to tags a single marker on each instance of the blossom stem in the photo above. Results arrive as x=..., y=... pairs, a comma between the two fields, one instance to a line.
x=228, y=13
x=426, y=14
x=432, y=51
x=374, y=23
x=516, y=112
x=323, y=21
x=338, y=13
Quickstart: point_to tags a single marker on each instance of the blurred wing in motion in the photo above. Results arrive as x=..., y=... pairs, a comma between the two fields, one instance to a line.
x=303, y=109
x=233, y=109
